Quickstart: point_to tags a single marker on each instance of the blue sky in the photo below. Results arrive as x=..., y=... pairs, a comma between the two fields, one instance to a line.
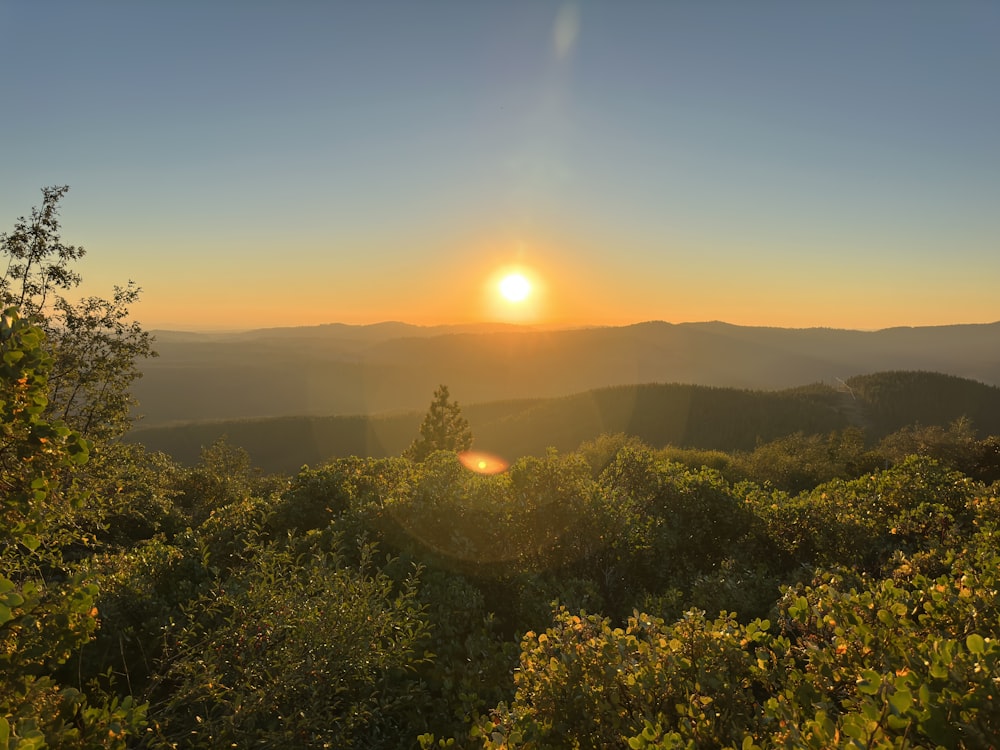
x=776, y=163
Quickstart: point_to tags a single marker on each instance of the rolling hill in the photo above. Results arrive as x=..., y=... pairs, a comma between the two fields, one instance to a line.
x=341, y=370
x=659, y=414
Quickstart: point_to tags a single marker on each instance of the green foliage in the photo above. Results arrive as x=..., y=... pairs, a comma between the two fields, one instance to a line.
x=133, y=494
x=510, y=529
x=296, y=651
x=277, y=634
x=38, y=261
x=353, y=490
x=680, y=523
x=892, y=664
x=854, y=663
x=952, y=445
x=698, y=458
x=47, y=609
x=94, y=345
x=956, y=446
x=471, y=669
x=223, y=475
x=601, y=451
x=800, y=462
x=917, y=506
x=444, y=428
x=585, y=684
x=142, y=590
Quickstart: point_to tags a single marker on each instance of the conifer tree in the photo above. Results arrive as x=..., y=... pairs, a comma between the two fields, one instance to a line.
x=443, y=429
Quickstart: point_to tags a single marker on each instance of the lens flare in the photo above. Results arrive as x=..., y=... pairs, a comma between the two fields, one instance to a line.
x=483, y=463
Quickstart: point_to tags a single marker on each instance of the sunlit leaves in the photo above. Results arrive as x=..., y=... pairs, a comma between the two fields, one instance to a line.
x=46, y=608
x=314, y=642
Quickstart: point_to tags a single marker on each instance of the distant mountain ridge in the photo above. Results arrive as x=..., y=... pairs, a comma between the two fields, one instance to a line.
x=659, y=414
x=340, y=369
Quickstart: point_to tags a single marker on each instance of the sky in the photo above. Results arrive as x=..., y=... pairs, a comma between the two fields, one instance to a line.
x=256, y=164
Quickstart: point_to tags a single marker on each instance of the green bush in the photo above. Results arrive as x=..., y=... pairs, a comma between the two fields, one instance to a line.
x=295, y=651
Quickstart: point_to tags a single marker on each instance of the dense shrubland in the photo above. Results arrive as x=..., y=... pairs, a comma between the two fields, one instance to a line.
x=607, y=597
x=821, y=590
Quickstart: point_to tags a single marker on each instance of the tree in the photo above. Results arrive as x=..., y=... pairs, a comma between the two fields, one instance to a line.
x=94, y=346
x=224, y=474
x=47, y=608
x=443, y=429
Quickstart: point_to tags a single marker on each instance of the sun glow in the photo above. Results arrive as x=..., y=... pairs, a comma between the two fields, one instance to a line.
x=515, y=293
x=515, y=287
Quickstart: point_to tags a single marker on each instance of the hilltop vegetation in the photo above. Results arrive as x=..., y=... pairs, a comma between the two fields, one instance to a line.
x=610, y=596
x=831, y=589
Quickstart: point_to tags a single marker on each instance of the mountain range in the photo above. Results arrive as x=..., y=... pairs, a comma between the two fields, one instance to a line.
x=362, y=370
x=303, y=395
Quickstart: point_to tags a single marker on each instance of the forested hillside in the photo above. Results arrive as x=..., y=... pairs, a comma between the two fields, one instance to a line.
x=347, y=370
x=679, y=415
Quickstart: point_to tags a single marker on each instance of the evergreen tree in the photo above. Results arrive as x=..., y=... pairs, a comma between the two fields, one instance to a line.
x=443, y=429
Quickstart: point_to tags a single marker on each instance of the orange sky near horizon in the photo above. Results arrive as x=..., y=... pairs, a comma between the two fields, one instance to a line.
x=576, y=283
x=567, y=294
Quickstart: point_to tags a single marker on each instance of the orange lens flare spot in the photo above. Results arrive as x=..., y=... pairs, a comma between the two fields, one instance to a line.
x=482, y=463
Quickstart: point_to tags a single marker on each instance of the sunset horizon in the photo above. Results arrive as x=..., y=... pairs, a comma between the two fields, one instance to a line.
x=773, y=164
x=548, y=326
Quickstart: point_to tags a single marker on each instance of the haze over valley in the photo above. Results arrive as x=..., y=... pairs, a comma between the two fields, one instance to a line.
x=305, y=395
x=360, y=370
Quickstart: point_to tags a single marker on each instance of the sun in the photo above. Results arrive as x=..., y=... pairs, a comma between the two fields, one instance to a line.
x=514, y=287
x=516, y=294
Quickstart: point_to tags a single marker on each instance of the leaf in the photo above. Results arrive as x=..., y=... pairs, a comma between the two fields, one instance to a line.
x=869, y=682
x=897, y=723
x=852, y=726
x=975, y=643
x=901, y=700
x=938, y=670
x=31, y=541
x=11, y=599
x=31, y=740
